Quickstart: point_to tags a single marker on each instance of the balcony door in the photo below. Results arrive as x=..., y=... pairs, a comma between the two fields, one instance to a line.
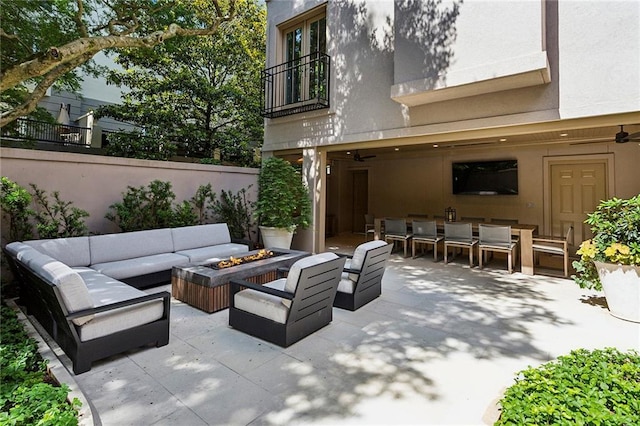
x=305, y=73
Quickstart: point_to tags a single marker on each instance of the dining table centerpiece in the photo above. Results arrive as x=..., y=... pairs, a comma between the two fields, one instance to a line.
x=610, y=260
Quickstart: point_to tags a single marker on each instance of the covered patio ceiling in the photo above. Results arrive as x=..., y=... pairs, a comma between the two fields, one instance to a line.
x=437, y=143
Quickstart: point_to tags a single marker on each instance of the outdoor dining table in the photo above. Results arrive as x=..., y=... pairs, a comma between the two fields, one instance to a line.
x=524, y=232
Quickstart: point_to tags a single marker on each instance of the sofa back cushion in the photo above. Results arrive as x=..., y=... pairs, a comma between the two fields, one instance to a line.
x=72, y=251
x=70, y=285
x=129, y=245
x=17, y=249
x=189, y=237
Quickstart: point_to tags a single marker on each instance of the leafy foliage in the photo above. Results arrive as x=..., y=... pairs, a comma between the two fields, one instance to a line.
x=149, y=208
x=197, y=94
x=236, y=211
x=15, y=201
x=43, y=42
x=615, y=225
x=600, y=387
x=26, y=397
x=283, y=198
x=203, y=202
x=143, y=146
x=57, y=220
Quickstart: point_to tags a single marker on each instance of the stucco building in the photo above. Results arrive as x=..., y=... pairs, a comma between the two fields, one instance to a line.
x=413, y=87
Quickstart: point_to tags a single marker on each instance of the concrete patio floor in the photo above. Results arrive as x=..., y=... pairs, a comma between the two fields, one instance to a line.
x=438, y=347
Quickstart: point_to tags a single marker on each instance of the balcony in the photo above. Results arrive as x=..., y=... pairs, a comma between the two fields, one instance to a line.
x=296, y=86
x=24, y=129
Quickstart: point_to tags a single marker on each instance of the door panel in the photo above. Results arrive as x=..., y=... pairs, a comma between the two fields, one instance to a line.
x=360, y=199
x=576, y=190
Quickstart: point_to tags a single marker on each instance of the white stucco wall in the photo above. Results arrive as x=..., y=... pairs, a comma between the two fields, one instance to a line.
x=599, y=66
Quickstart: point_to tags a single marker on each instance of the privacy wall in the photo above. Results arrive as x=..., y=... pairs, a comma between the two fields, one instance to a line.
x=95, y=182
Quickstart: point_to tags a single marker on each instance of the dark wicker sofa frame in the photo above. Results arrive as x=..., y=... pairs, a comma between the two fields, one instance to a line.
x=369, y=284
x=44, y=302
x=311, y=305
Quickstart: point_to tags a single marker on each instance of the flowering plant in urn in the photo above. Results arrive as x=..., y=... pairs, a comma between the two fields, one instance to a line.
x=615, y=225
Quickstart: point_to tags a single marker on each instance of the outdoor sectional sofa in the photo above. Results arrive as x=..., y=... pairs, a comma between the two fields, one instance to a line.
x=86, y=291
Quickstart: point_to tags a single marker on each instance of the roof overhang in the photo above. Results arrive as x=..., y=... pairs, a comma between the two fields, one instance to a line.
x=523, y=71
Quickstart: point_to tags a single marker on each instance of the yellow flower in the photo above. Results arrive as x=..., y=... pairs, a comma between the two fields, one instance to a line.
x=587, y=249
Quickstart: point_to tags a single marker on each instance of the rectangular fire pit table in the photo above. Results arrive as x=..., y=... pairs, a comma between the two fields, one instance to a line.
x=207, y=289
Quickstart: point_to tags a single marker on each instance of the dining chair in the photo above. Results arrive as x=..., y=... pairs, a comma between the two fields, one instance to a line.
x=496, y=238
x=369, y=226
x=396, y=230
x=558, y=246
x=458, y=235
x=425, y=232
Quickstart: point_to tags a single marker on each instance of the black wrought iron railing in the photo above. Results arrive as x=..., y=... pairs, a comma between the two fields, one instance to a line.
x=296, y=86
x=41, y=131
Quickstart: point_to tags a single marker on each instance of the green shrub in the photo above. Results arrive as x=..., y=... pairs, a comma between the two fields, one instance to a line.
x=15, y=201
x=236, y=211
x=26, y=395
x=600, y=387
x=150, y=208
x=58, y=219
x=203, y=202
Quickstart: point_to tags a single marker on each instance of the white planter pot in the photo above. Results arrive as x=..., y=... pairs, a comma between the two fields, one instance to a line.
x=621, y=285
x=276, y=237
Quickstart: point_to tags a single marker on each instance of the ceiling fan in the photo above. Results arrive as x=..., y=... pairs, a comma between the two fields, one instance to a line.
x=622, y=136
x=358, y=157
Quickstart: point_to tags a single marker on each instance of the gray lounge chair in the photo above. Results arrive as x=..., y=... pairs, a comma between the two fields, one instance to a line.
x=362, y=278
x=288, y=309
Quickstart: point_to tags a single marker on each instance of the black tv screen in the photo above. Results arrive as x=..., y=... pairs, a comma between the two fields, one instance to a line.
x=485, y=177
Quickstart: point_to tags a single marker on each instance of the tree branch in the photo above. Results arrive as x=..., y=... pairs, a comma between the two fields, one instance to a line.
x=32, y=101
x=47, y=61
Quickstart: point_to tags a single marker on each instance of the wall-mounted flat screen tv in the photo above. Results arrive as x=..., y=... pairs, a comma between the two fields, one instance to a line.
x=485, y=177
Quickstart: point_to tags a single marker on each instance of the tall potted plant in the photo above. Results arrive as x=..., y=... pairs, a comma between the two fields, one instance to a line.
x=610, y=261
x=283, y=203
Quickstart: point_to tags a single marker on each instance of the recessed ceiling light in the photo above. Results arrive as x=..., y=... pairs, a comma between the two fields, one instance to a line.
x=564, y=134
x=397, y=149
x=503, y=139
x=348, y=152
x=435, y=145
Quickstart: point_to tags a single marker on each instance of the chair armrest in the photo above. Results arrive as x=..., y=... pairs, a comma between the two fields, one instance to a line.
x=352, y=271
x=236, y=284
x=112, y=306
x=346, y=256
x=548, y=239
x=282, y=272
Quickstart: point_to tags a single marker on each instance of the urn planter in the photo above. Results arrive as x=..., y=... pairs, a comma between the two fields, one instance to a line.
x=621, y=285
x=276, y=237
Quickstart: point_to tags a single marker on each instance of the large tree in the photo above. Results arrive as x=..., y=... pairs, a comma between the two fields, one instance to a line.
x=42, y=42
x=197, y=94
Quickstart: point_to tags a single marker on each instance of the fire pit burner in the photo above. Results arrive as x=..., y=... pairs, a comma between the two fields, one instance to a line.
x=234, y=261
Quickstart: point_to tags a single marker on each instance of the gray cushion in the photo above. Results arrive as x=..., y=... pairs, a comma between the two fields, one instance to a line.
x=295, y=270
x=263, y=304
x=17, y=249
x=70, y=285
x=190, y=237
x=128, y=245
x=72, y=251
x=140, y=265
x=346, y=285
x=104, y=290
x=213, y=253
x=359, y=254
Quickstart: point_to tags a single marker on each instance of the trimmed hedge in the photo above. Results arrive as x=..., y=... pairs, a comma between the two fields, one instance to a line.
x=600, y=387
